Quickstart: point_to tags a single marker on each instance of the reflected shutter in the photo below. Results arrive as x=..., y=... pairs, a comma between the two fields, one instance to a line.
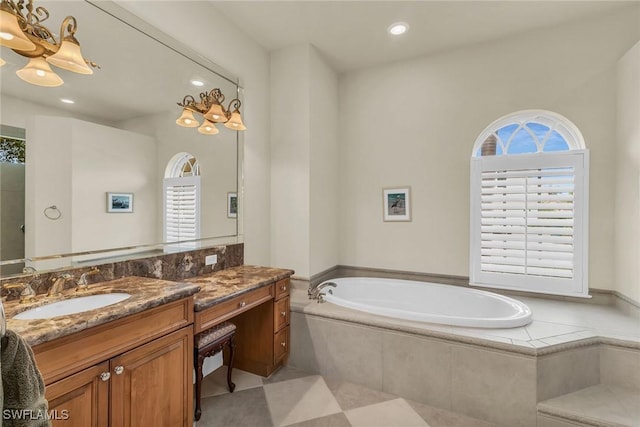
x=182, y=210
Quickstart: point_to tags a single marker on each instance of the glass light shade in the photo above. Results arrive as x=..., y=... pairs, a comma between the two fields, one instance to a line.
x=235, y=121
x=216, y=114
x=37, y=72
x=187, y=120
x=208, y=128
x=11, y=35
x=69, y=57
x=2, y=62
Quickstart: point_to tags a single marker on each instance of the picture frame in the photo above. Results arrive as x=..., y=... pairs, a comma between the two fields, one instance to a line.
x=396, y=203
x=119, y=202
x=232, y=204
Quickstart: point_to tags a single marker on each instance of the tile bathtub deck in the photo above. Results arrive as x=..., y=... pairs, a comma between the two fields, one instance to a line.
x=555, y=323
x=291, y=397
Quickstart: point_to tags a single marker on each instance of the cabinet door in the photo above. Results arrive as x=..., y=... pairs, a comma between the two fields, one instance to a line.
x=152, y=385
x=81, y=400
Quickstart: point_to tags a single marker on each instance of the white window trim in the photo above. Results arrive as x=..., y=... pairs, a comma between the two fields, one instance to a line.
x=579, y=159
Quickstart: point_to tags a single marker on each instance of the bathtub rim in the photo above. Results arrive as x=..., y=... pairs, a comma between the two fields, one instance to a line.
x=521, y=318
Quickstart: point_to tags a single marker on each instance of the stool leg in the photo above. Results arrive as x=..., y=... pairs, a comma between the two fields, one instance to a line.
x=232, y=346
x=198, y=364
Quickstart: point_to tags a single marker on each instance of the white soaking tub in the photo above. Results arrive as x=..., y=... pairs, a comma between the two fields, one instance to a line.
x=428, y=302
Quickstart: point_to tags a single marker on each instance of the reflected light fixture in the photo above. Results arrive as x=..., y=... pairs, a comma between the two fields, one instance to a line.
x=211, y=108
x=22, y=31
x=398, y=28
x=2, y=62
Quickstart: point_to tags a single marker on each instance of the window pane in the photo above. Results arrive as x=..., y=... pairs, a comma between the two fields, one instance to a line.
x=539, y=130
x=505, y=133
x=555, y=143
x=522, y=142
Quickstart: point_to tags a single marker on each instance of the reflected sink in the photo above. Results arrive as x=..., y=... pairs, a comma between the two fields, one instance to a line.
x=72, y=306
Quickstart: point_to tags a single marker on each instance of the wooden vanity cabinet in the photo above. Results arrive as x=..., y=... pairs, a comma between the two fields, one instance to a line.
x=262, y=334
x=148, y=383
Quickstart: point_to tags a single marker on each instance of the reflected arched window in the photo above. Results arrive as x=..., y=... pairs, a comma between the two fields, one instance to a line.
x=529, y=186
x=181, y=195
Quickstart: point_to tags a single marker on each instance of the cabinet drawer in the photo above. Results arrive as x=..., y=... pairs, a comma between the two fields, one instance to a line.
x=280, y=314
x=282, y=288
x=220, y=312
x=281, y=345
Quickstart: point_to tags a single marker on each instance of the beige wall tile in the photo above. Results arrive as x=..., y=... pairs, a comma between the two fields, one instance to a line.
x=494, y=386
x=417, y=368
x=568, y=371
x=620, y=366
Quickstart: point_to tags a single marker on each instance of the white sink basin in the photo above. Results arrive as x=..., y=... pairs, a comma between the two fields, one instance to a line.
x=72, y=306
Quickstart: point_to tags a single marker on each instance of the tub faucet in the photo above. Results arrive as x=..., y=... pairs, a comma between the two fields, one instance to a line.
x=58, y=284
x=315, y=292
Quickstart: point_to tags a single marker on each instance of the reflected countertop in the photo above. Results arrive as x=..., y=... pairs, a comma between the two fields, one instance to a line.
x=223, y=285
x=145, y=293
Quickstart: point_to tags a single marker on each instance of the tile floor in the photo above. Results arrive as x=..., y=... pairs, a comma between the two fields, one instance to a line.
x=291, y=397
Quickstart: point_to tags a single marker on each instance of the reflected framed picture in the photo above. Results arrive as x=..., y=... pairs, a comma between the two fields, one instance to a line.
x=232, y=205
x=396, y=204
x=120, y=202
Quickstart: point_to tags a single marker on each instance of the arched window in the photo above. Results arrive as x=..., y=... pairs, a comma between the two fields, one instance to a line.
x=181, y=194
x=529, y=210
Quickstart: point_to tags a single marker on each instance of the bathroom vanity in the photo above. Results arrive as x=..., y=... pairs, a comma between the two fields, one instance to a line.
x=131, y=363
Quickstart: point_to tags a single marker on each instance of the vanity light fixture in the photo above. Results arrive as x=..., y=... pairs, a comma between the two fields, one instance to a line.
x=211, y=108
x=22, y=31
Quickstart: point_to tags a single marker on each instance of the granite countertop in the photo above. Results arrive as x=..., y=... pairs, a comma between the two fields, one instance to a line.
x=145, y=293
x=223, y=285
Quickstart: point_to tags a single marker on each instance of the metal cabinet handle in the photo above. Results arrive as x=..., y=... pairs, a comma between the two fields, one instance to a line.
x=283, y=343
x=283, y=313
x=105, y=376
x=118, y=370
x=242, y=304
x=284, y=287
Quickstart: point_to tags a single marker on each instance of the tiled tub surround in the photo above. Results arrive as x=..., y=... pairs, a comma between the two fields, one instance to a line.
x=145, y=293
x=174, y=267
x=498, y=375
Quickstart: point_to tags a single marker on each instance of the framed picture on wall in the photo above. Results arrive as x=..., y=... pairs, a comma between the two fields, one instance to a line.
x=119, y=202
x=232, y=205
x=396, y=204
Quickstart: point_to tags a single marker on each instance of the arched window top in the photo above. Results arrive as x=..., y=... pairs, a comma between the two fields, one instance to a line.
x=528, y=131
x=182, y=165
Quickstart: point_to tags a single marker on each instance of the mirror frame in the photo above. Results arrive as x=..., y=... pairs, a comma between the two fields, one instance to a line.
x=133, y=252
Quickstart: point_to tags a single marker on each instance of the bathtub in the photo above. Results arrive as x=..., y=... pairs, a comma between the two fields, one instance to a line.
x=428, y=302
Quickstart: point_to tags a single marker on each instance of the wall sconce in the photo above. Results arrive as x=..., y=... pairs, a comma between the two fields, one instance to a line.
x=21, y=30
x=211, y=108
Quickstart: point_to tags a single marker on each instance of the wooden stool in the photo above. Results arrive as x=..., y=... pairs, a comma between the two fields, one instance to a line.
x=209, y=343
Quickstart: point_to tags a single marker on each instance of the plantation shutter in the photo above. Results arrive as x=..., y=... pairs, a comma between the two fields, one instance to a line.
x=182, y=210
x=529, y=222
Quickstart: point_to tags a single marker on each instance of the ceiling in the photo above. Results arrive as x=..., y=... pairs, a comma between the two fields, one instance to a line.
x=353, y=34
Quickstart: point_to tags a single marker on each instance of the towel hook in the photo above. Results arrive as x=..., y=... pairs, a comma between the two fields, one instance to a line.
x=54, y=214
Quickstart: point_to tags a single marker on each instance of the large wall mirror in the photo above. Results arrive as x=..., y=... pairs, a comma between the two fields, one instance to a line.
x=101, y=149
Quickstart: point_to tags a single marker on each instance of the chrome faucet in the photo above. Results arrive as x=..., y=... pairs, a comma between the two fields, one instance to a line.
x=315, y=292
x=58, y=284
x=82, y=283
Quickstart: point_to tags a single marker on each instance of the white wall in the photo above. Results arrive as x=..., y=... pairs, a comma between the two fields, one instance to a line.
x=324, y=175
x=627, y=183
x=204, y=29
x=290, y=150
x=414, y=123
x=304, y=178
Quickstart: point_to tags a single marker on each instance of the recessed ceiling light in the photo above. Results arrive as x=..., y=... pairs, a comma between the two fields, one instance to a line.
x=398, y=28
x=197, y=83
x=67, y=101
